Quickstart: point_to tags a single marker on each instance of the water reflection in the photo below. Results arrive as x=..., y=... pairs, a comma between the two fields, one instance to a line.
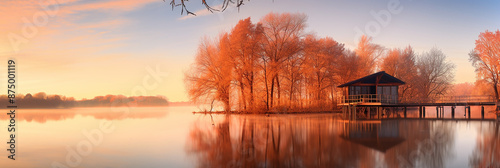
x=376, y=135
x=487, y=151
x=319, y=141
x=44, y=115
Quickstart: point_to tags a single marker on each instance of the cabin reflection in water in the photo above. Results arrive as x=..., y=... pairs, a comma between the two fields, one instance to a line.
x=378, y=135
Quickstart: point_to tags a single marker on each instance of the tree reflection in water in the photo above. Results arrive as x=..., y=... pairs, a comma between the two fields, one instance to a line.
x=319, y=140
x=487, y=152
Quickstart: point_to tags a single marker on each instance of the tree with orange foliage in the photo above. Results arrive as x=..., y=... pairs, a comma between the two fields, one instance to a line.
x=244, y=49
x=402, y=65
x=210, y=77
x=462, y=89
x=283, y=33
x=486, y=59
x=482, y=87
x=487, y=151
x=320, y=56
x=368, y=54
x=347, y=67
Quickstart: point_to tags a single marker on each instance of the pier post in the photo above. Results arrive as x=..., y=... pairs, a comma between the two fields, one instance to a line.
x=437, y=111
x=354, y=108
x=452, y=111
x=344, y=111
x=419, y=111
x=405, y=111
x=369, y=112
x=469, y=111
x=378, y=112
x=349, y=111
x=482, y=112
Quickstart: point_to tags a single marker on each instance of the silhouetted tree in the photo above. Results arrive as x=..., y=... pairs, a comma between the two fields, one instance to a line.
x=225, y=4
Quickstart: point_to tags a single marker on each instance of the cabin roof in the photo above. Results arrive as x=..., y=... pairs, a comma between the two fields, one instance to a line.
x=379, y=78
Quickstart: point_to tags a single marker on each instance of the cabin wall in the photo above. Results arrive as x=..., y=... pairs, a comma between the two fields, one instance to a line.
x=389, y=90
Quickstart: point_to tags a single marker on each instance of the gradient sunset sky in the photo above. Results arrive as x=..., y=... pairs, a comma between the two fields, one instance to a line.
x=92, y=48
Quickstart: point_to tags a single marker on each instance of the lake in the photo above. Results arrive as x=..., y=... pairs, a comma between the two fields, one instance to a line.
x=175, y=137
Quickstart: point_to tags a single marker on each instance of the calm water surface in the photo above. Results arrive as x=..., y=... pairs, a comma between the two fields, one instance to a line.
x=174, y=137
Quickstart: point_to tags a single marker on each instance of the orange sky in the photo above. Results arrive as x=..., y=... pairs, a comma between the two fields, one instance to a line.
x=73, y=48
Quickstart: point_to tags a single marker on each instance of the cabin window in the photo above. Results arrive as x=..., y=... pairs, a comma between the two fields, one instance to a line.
x=387, y=90
x=394, y=90
x=357, y=90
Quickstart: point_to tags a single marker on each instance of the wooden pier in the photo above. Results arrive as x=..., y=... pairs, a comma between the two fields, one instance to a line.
x=377, y=106
x=378, y=93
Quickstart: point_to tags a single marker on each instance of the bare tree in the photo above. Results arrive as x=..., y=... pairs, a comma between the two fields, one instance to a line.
x=225, y=4
x=435, y=74
x=486, y=59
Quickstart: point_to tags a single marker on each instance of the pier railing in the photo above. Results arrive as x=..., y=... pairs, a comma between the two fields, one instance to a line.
x=465, y=99
x=369, y=98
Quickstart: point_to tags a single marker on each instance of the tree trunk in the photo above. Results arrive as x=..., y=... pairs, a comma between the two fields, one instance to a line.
x=267, y=87
x=251, y=92
x=243, y=97
x=291, y=94
x=272, y=91
x=279, y=90
x=495, y=88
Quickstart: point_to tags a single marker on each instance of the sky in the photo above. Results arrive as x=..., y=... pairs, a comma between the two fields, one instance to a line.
x=88, y=48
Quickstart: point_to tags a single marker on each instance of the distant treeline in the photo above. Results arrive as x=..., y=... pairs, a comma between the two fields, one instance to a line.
x=42, y=100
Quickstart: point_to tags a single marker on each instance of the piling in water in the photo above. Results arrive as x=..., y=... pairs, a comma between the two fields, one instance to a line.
x=437, y=111
x=468, y=111
x=482, y=112
x=453, y=112
x=405, y=111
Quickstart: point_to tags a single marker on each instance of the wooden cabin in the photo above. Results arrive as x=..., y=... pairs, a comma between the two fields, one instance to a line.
x=377, y=88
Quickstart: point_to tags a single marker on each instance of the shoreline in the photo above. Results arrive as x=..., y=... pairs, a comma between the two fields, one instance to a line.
x=267, y=113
